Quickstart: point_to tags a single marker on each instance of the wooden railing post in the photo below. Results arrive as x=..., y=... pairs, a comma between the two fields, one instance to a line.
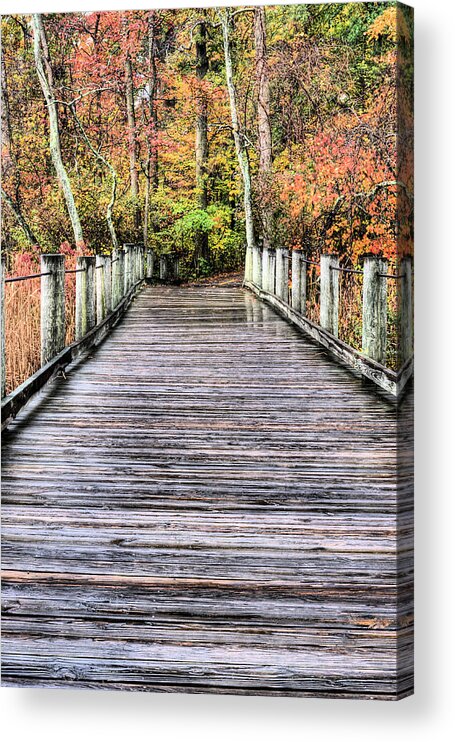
x=272, y=270
x=133, y=264
x=114, y=278
x=140, y=263
x=85, y=295
x=249, y=264
x=329, y=293
x=144, y=261
x=298, y=271
x=282, y=274
x=295, y=279
x=303, y=283
x=406, y=339
x=285, y=296
x=257, y=266
x=52, y=306
x=140, y=251
x=126, y=264
x=128, y=267
x=374, y=315
x=2, y=299
x=108, y=283
x=163, y=267
x=91, y=292
x=138, y=275
x=279, y=271
x=116, y=286
x=121, y=274
x=100, y=289
x=150, y=256
x=254, y=263
x=266, y=268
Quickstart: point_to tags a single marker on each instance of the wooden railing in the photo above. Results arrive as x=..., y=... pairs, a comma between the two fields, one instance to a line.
x=105, y=285
x=281, y=281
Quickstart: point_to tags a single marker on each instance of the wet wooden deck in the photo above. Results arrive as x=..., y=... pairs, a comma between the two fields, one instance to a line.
x=208, y=503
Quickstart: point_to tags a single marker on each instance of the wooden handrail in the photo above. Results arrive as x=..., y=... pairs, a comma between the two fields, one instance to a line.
x=14, y=402
x=271, y=283
x=98, y=296
x=392, y=382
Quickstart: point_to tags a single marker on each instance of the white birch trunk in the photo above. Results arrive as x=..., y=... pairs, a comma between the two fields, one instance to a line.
x=240, y=148
x=45, y=76
x=264, y=130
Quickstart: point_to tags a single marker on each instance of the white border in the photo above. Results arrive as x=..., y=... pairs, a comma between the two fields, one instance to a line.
x=85, y=715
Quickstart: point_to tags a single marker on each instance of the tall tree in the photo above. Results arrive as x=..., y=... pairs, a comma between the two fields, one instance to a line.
x=328, y=76
x=202, y=144
x=45, y=73
x=132, y=141
x=240, y=140
x=263, y=113
x=151, y=167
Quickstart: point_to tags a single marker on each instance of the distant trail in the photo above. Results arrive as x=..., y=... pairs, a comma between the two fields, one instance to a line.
x=220, y=279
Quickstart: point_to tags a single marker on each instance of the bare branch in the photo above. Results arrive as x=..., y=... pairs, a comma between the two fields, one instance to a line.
x=111, y=169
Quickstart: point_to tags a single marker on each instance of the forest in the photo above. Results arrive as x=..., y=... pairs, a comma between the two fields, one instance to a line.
x=200, y=131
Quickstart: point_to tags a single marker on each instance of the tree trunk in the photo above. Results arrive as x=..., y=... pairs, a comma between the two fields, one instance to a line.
x=132, y=145
x=46, y=78
x=264, y=130
x=16, y=209
x=15, y=203
x=145, y=226
x=202, y=146
x=151, y=183
x=239, y=138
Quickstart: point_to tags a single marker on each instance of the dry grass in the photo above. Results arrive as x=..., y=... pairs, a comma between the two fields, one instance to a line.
x=350, y=315
x=350, y=311
x=22, y=324
x=22, y=319
x=313, y=293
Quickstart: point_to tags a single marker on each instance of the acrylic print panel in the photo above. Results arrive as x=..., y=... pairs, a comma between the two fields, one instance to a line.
x=207, y=350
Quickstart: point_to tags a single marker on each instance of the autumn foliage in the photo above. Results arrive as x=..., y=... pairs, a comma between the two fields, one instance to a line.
x=128, y=95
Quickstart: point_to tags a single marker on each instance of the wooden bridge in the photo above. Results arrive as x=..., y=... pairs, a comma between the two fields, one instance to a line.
x=208, y=502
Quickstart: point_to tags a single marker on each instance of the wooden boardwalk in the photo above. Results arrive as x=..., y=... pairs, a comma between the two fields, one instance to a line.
x=208, y=503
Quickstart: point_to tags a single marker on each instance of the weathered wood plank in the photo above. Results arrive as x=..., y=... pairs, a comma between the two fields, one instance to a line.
x=208, y=503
